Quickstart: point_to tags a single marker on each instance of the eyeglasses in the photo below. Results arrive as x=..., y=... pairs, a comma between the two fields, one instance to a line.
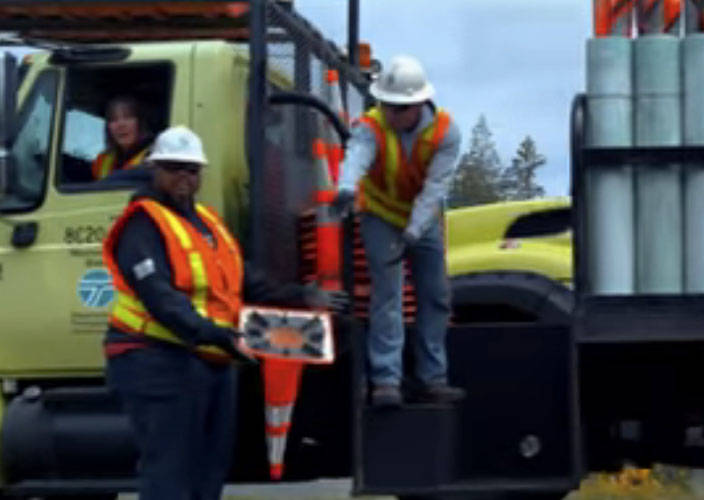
x=175, y=167
x=398, y=108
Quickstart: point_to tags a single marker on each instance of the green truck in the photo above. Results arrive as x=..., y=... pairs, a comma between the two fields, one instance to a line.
x=62, y=432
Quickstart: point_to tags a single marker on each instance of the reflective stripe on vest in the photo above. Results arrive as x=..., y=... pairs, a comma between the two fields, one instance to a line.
x=104, y=164
x=393, y=182
x=213, y=286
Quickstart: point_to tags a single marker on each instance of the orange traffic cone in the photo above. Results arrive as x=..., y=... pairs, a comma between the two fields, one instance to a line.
x=281, y=380
x=333, y=98
x=284, y=340
x=328, y=232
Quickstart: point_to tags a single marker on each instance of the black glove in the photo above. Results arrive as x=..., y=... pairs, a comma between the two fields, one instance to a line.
x=225, y=339
x=337, y=301
x=343, y=203
x=399, y=249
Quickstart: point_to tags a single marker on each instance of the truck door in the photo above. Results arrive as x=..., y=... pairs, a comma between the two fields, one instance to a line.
x=56, y=294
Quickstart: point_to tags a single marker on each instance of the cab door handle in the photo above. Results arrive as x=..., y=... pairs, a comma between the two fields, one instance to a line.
x=24, y=234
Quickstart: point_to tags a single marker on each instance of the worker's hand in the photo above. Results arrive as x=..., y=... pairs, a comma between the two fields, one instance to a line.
x=399, y=248
x=226, y=339
x=337, y=301
x=343, y=203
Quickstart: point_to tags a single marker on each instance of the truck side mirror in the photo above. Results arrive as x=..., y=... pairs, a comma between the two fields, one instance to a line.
x=8, y=106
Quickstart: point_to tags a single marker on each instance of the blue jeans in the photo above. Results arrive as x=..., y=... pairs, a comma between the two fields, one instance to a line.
x=182, y=411
x=386, y=335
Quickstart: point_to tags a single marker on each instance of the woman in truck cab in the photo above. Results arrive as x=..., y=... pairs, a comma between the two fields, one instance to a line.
x=126, y=136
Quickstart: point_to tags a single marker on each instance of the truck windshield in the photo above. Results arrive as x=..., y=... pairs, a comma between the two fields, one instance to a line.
x=29, y=155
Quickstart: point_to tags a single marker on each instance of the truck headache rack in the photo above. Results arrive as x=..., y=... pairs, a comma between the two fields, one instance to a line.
x=127, y=20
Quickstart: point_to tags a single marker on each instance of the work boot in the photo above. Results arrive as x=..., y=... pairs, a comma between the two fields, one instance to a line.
x=438, y=394
x=386, y=396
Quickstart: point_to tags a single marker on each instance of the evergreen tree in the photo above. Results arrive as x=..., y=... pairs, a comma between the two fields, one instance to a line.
x=518, y=182
x=476, y=179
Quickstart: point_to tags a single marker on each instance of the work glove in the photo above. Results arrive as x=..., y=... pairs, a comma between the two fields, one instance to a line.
x=225, y=339
x=317, y=298
x=399, y=248
x=343, y=203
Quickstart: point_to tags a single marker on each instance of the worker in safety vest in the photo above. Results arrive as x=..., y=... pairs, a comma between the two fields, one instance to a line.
x=126, y=136
x=400, y=159
x=180, y=282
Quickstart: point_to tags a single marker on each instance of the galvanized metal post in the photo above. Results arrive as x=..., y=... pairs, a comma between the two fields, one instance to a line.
x=255, y=128
x=353, y=32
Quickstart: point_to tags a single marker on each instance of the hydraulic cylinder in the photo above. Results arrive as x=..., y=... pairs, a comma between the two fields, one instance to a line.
x=610, y=216
x=659, y=221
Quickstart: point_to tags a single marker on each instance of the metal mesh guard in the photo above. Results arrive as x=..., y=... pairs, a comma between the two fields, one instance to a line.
x=287, y=334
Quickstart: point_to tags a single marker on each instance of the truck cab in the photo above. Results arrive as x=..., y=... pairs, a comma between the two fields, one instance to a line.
x=55, y=214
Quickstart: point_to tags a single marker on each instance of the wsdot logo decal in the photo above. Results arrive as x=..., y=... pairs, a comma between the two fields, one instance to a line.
x=95, y=288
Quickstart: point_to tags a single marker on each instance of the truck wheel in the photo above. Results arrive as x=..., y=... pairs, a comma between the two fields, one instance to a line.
x=510, y=297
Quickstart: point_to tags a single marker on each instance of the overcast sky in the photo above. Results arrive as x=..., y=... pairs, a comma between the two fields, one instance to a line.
x=519, y=62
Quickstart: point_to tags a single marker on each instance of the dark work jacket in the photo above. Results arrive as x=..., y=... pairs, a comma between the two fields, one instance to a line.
x=140, y=240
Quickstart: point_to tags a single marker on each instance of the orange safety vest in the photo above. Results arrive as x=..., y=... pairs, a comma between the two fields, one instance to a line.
x=393, y=181
x=104, y=163
x=211, y=277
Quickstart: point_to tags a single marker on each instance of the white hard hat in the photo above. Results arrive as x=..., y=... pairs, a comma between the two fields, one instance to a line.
x=402, y=81
x=178, y=144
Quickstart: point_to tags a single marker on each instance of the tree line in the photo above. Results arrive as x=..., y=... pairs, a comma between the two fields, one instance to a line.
x=481, y=178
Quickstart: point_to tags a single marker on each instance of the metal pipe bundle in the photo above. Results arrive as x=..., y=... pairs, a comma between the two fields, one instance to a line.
x=610, y=189
x=658, y=189
x=693, y=114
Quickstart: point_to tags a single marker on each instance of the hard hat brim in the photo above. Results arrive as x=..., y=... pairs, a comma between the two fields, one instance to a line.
x=154, y=157
x=415, y=97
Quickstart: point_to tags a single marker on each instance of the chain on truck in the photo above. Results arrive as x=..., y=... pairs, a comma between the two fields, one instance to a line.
x=270, y=97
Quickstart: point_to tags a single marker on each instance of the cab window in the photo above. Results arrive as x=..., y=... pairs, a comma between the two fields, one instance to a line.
x=539, y=224
x=111, y=116
x=29, y=155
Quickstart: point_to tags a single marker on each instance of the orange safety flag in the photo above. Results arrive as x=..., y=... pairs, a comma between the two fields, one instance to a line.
x=613, y=17
x=281, y=380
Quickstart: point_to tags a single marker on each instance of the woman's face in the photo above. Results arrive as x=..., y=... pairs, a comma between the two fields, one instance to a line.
x=123, y=125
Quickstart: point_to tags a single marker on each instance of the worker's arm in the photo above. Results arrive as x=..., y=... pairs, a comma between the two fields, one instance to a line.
x=427, y=204
x=142, y=259
x=359, y=156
